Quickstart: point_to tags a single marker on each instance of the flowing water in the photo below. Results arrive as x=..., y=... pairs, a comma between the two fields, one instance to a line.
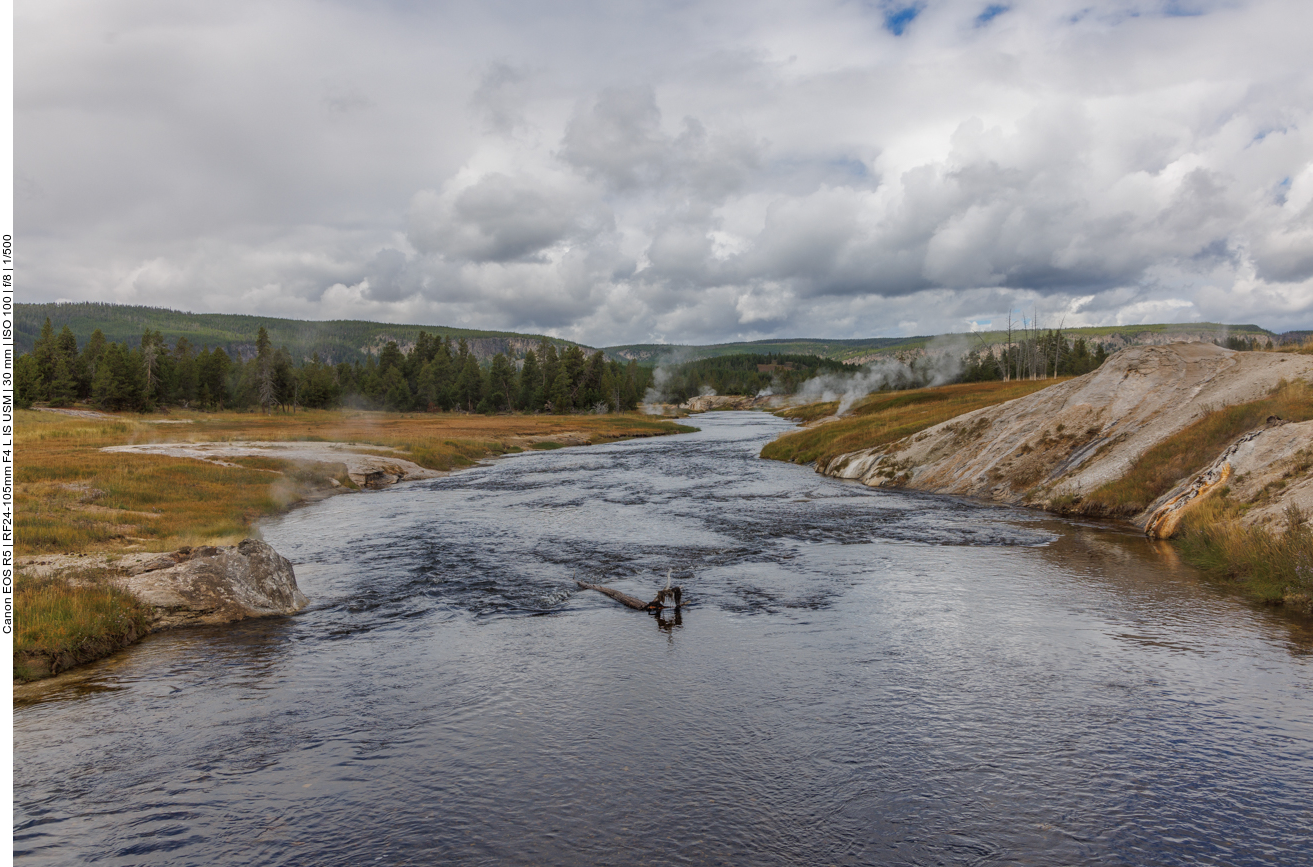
x=859, y=677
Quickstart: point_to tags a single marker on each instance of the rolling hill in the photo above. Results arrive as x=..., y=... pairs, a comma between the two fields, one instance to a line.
x=335, y=340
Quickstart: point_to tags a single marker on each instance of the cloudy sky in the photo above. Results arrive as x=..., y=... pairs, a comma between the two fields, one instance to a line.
x=626, y=171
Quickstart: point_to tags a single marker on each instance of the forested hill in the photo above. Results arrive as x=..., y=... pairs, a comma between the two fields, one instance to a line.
x=336, y=341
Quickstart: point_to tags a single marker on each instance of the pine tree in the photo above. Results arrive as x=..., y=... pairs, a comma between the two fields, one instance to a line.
x=152, y=346
x=91, y=355
x=501, y=383
x=66, y=345
x=560, y=393
x=590, y=386
x=28, y=386
x=397, y=396
x=63, y=387
x=390, y=356
x=44, y=352
x=120, y=381
x=574, y=363
x=212, y=370
x=469, y=385
x=531, y=384
x=266, y=392
x=444, y=376
x=185, y=374
x=550, y=366
x=608, y=389
x=286, y=384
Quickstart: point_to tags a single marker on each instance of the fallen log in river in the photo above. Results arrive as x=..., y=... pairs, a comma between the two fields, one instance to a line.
x=669, y=594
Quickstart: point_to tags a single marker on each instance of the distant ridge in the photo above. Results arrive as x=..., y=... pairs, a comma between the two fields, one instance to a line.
x=856, y=351
x=335, y=340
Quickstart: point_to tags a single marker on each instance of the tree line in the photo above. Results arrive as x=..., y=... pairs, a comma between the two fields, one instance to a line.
x=1039, y=355
x=745, y=374
x=433, y=374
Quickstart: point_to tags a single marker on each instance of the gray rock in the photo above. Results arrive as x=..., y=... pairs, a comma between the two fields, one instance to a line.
x=208, y=584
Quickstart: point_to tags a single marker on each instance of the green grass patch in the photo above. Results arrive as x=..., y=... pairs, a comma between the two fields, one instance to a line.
x=1271, y=565
x=66, y=621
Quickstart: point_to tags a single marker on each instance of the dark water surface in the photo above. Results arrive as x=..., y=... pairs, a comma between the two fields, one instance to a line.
x=863, y=677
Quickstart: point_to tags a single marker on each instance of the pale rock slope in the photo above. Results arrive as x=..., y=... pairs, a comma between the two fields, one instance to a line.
x=1058, y=444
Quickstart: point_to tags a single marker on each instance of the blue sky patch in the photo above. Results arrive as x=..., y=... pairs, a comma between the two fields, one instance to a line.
x=1175, y=9
x=896, y=20
x=991, y=12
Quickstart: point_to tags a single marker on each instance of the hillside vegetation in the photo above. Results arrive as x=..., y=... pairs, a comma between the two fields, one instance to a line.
x=748, y=374
x=1191, y=449
x=432, y=374
x=335, y=341
x=887, y=417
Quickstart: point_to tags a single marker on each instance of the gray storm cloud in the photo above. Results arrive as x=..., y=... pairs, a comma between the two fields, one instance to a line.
x=714, y=173
x=505, y=219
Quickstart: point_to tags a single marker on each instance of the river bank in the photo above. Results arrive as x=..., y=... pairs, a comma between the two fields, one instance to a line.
x=100, y=494
x=1189, y=441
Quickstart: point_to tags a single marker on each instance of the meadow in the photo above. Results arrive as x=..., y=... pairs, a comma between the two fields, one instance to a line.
x=73, y=497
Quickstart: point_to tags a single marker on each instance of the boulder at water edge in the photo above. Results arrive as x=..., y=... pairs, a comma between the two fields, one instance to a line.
x=209, y=584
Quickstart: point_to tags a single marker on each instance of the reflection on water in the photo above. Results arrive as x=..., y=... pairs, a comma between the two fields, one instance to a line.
x=857, y=677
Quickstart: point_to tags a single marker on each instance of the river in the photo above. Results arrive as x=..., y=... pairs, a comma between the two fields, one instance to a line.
x=859, y=677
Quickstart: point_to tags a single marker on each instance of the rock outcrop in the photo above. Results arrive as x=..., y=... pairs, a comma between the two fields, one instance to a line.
x=1065, y=441
x=188, y=587
x=209, y=585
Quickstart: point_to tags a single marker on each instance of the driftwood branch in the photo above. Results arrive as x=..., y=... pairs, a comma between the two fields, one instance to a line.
x=669, y=595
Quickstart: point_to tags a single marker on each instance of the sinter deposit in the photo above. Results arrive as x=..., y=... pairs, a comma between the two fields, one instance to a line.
x=366, y=470
x=1066, y=440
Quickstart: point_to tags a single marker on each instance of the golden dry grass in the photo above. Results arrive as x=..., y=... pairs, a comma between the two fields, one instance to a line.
x=1305, y=348
x=1189, y=451
x=73, y=497
x=810, y=412
x=887, y=417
